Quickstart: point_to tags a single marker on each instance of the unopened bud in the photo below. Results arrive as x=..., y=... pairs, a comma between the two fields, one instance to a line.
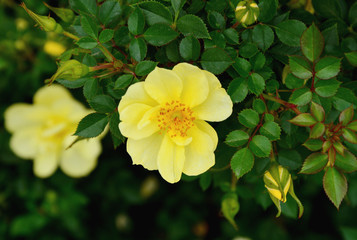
x=70, y=70
x=46, y=23
x=278, y=181
x=54, y=48
x=67, y=15
x=247, y=12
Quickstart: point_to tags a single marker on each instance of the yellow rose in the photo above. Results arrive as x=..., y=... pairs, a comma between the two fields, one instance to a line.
x=53, y=48
x=42, y=132
x=164, y=120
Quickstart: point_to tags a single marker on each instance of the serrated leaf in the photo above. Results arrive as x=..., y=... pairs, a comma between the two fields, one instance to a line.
x=349, y=135
x=87, y=43
x=177, y=5
x=259, y=105
x=155, y=12
x=103, y=104
x=327, y=88
x=300, y=67
x=317, y=130
x=290, y=31
x=215, y=60
x=260, y=146
x=242, y=162
x=205, y=180
x=90, y=88
x=238, y=90
x=335, y=186
x=190, y=48
x=92, y=125
x=242, y=67
x=263, y=36
x=137, y=49
x=231, y=35
x=271, y=130
x=89, y=26
x=87, y=6
x=248, y=50
x=237, y=138
x=106, y=35
x=192, y=25
x=327, y=67
x=313, y=144
x=301, y=96
x=304, y=120
x=317, y=111
x=123, y=81
x=258, y=61
x=136, y=22
x=289, y=158
x=314, y=163
x=216, y=20
x=114, y=126
x=145, y=67
x=256, y=83
x=109, y=11
x=346, y=116
x=328, y=8
x=312, y=43
x=352, y=58
x=346, y=162
x=267, y=10
x=248, y=118
x=343, y=99
x=353, y=125
x=160, y=34
x=230, y=207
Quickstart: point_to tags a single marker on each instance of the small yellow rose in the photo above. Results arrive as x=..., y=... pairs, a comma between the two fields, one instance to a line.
x=53, y=48
x=43, y=130
x=164, y=120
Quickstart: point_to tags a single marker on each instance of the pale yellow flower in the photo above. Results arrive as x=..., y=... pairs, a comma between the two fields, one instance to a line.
x=43, y=130
x=53, y=48
x=164, y=120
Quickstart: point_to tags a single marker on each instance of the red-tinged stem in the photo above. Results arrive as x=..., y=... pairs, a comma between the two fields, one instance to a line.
x=102, y=66
x=235, y=25
x=282, y=102
x=256, y=129
x=313, y=82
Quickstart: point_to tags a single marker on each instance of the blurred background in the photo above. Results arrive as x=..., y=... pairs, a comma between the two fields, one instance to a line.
x=119, y=200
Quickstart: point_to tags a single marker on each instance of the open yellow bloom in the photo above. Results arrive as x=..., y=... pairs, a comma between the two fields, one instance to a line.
x=164, y=120
x=42, y=132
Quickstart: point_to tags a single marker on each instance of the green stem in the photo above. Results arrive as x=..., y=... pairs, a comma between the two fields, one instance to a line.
x=282, y=102
x=106, y=53
x=70, y=35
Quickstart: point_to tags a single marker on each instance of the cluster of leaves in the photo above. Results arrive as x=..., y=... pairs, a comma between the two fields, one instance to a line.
x=279, y=67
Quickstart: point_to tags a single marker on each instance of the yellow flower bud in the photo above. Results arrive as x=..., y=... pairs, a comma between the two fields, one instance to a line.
x=67, y=15
x=70, y=70
x=278, y=181
x=54, y=48
x=46, y=23
x=247, y=12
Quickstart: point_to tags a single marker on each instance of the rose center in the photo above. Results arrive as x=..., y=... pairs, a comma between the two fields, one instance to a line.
x=175, y=118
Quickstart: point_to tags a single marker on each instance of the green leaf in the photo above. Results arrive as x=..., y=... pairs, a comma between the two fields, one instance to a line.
x=327, y=67
x=205, y=180
x=190, y=48
x=103, y=104
x=87, y=43
x=87, y=6
x=192, y=25
x=267, y=10
x=327, y=88
x=230, y=207
x=242, y=67
x=90, y=88
x=317, y=111
x=145, y=67
x=263, y=36
x=248, y=118
x=109, y=12
x=260, y=146
x=256, y=83
x=106, y=35
x=271, y=130
x=215, y=60
x=353, y=125
x=177, y=5
x=160, y=34
x=314, y=163
x=303, y=120
x=89, y=26
x=268, y=117
x=300, y=67
x=352, y=58
x=343, y=99
x=313, y=144
x=92, y=125
x=317, y=130
x=248, y=50
x=113, y=126
x=231, y=35
x=290, y=31
x=237, y=138
x=346, y=162
x=312, y=43
x=258, y=61
x=259, y=105
x=293, y=82
x=216, y=20
x=172, y=51
x=301, y=96
x=123, y=81
x=349, y=135
x=242, y=162
x=328, y=8
x=346, y=116
x=136, y=22
x=335, y=186
x=289, y=158
x=25, y=225
x=156, y=12
x=122, y=36
x=137, y=49
x=238, y=89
